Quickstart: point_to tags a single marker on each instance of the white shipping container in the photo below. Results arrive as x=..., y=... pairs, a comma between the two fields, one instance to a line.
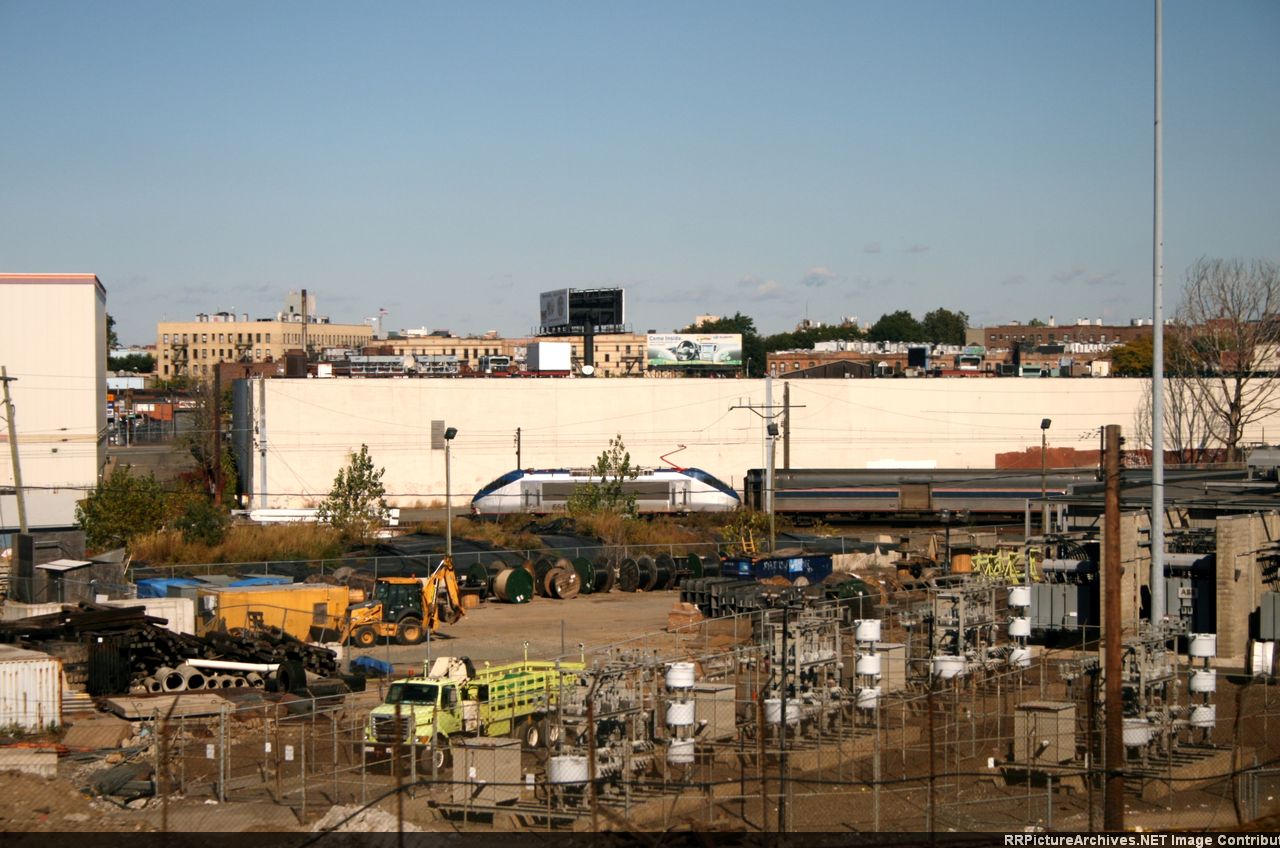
x=180, y=613
x=30, y=689
x=548, y=356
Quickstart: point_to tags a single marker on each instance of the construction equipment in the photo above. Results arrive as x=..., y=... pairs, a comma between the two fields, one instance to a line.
x=453, y=698
x=402, y=608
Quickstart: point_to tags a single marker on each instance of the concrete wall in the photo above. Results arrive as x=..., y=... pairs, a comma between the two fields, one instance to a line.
x=60, y=392
x=311, y=425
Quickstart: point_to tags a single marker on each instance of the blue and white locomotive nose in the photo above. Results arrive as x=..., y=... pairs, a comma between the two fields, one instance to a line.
x=663, y=490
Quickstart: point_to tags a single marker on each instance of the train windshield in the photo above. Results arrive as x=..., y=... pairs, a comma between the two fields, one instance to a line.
x=505, y=479
x=714, y=482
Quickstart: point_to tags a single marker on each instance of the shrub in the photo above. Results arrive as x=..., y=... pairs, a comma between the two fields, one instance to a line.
x=204, y=522
x=121, y=507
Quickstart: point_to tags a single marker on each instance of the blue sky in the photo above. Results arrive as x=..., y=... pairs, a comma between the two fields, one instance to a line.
x=450, y=161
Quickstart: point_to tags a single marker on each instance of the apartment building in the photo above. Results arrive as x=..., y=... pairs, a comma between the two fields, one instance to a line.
x=620, y=355
x=194, y=348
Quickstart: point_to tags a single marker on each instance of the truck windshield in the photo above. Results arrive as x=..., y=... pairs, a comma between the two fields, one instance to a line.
x=412, y=693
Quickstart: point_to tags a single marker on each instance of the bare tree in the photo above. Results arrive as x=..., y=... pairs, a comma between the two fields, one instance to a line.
x=1225, y=342
x=1187, y=429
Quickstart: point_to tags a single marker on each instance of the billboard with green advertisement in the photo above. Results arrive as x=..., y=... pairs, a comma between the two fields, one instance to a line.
x=695, y=350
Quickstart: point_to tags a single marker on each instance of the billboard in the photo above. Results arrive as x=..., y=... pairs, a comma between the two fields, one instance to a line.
x=722, y=350
x=554, y=307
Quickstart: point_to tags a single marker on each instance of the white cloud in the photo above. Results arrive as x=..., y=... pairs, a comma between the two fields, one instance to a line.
x=818, y=277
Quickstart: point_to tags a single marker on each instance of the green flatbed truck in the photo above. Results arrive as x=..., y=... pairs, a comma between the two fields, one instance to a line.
x=424, y=713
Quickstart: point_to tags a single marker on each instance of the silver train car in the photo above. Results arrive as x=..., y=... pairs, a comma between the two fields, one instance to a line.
x=661, y=490
x=907, y=492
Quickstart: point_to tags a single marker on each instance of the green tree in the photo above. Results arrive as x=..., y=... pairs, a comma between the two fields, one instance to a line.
x=942, y=326
x=753, y=350
x=203, y=521
x=121, y=507
x=356, y=506
x=609, y=493
x=1036, y=322
x=134, y=363
x=1133, y=359
x=113, y=341
x=898, y=326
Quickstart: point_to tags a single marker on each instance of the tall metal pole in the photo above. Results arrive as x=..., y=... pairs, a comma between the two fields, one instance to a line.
x=1113, y=753
x=262, y=442
x=782, y=730
x=518, y=463
x=13, y=450
x=448, y=503
x=1157, y=342
x=768, y=419
x=786, y=424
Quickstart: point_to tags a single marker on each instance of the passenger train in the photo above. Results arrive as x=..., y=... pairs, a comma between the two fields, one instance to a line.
x=873, y=492
x=671, y=490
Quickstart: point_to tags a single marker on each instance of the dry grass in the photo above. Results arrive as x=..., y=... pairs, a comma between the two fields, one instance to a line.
x=244, y=543
x=504, y=533
x=614, y=529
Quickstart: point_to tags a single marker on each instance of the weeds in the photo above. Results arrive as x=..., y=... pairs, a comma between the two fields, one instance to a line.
x=243, y=543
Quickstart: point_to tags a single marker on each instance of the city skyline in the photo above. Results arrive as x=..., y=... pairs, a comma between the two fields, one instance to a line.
x=820, y=161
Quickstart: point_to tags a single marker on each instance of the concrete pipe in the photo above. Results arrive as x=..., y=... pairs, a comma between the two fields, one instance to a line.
x=169, y=679
x=151, y=685
x=255, y=680
x=192, y=677
x=563, y=583
x=223, y=681
x=238, y=682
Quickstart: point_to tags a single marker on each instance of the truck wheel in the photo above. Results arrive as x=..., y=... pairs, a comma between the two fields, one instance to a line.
x=365, y=637
x=531, y=734
x=410, y=632
x=436, y=754
x=550, y=732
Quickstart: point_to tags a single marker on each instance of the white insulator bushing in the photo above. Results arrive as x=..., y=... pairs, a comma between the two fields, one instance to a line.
x=1019, y=626
x=1137, y=732
x=1202, y=645
x=868, y=698
x=680, y=675
x=1204, y=680
x=773, y=711
x=1204, y=715
x=568, y=770
x=869, y=665
x=680, y=751
x=680, y=714
x=1020, y=658
x=947, y=667
x=1019, y=596
x=866, y=630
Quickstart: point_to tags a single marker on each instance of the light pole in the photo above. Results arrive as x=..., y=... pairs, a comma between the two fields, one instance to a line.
x=449, y=433
x=1044, y=444
x=773, y=441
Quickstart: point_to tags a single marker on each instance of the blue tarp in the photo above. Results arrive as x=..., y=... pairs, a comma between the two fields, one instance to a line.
x=158, y=587
x=262, y=580
x=370, y=667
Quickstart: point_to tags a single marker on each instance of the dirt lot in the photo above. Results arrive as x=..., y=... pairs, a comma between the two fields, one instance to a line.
x=496, y=632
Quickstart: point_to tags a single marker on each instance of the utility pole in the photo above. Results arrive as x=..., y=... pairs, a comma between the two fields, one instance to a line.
x=518, y=463
x=1113, y=749
x=786, y=425
x=13, y=449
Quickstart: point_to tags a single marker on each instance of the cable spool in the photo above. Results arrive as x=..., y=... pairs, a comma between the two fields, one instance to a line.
x=493, y=568
x=648, y=573
x=513, y=586
x=667, y=574
x=586, y=575
x=562, y=583
x=628, y=575
x=540, y=568
x=477, y=577
x=693, y=563
x=606, y=574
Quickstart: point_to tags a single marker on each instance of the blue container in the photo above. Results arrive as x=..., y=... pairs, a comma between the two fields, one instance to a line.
x=814, y=568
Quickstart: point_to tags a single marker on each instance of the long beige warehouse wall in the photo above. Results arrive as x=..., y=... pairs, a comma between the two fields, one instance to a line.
x=313, y=424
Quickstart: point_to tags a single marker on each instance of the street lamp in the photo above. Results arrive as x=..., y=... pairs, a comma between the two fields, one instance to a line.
x=449, y=433
x=1044, y=441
